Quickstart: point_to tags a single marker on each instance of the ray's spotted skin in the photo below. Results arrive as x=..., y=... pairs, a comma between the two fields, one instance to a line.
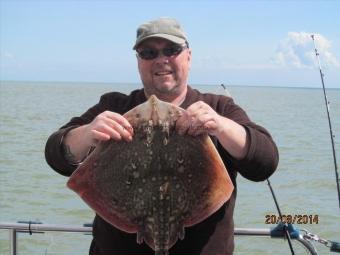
x=158, y=183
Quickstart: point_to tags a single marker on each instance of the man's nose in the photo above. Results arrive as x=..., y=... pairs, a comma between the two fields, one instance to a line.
x=162, y=58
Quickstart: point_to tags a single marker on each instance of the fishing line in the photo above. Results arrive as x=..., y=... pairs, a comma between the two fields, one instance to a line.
x=329, y=120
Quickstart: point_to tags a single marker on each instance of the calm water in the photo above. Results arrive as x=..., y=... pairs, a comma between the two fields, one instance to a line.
x=304, y=182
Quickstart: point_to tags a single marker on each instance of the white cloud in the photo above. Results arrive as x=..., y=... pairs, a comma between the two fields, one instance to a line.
x=297, y=50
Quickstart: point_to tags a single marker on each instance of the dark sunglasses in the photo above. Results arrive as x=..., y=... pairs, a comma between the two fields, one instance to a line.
x=151, y=53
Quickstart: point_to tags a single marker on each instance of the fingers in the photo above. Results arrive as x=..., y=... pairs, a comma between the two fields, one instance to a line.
x=110, y=125
x=198, y=124
x=182, y=124
x=198, y=119
x=100, y=136
x=120, y=120
x=106, y=133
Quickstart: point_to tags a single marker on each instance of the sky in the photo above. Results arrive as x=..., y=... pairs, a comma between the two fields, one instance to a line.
x=262, y=43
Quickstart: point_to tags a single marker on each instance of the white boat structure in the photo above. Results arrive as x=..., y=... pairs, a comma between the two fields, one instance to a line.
x=302, y=236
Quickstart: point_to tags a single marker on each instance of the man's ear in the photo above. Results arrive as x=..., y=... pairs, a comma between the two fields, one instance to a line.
x=189, y=57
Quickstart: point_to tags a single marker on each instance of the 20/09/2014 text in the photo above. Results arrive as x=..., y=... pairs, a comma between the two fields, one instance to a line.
x=292, y=219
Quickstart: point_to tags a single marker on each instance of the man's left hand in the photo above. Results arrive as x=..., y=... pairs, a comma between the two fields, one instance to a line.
x=199, y=118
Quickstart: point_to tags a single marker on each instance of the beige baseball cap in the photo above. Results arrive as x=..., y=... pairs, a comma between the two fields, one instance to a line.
x=166, y=28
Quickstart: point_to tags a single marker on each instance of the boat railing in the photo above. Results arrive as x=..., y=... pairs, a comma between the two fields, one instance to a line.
x=303, y=237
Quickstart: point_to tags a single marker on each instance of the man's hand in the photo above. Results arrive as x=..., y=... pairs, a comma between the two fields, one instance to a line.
x=107, y=125
x=199, y=118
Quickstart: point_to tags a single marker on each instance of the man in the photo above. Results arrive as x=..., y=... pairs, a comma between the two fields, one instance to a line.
x=164, y=59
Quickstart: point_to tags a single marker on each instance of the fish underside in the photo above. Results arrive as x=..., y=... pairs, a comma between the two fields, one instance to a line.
x=157, y=184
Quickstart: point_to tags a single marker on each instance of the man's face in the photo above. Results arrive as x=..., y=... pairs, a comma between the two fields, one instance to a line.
x=164, y=76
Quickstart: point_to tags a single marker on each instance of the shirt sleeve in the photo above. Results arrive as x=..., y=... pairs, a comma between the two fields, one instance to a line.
x=54, y=155
x=53, y=150
x=262, y=157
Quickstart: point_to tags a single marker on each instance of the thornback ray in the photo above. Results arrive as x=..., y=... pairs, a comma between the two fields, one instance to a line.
x=157, y=184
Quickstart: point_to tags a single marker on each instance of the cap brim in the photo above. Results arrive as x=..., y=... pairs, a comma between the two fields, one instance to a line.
x=172, y=38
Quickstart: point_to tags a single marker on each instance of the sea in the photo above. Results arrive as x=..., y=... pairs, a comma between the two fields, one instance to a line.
x=304, y=183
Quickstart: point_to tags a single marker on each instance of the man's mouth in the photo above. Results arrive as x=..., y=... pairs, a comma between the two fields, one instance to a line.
x=161, y=73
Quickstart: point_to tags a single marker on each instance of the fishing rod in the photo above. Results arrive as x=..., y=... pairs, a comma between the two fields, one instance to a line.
x=225, y=90
x=329, y=120
x=285, y=225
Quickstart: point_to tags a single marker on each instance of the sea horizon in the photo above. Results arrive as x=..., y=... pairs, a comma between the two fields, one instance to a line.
x=139, y=83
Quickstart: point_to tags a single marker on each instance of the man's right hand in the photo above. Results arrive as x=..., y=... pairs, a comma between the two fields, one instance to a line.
x=107, y=125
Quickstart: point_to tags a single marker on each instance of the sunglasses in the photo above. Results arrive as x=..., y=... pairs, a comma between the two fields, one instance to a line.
x=151, y=53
